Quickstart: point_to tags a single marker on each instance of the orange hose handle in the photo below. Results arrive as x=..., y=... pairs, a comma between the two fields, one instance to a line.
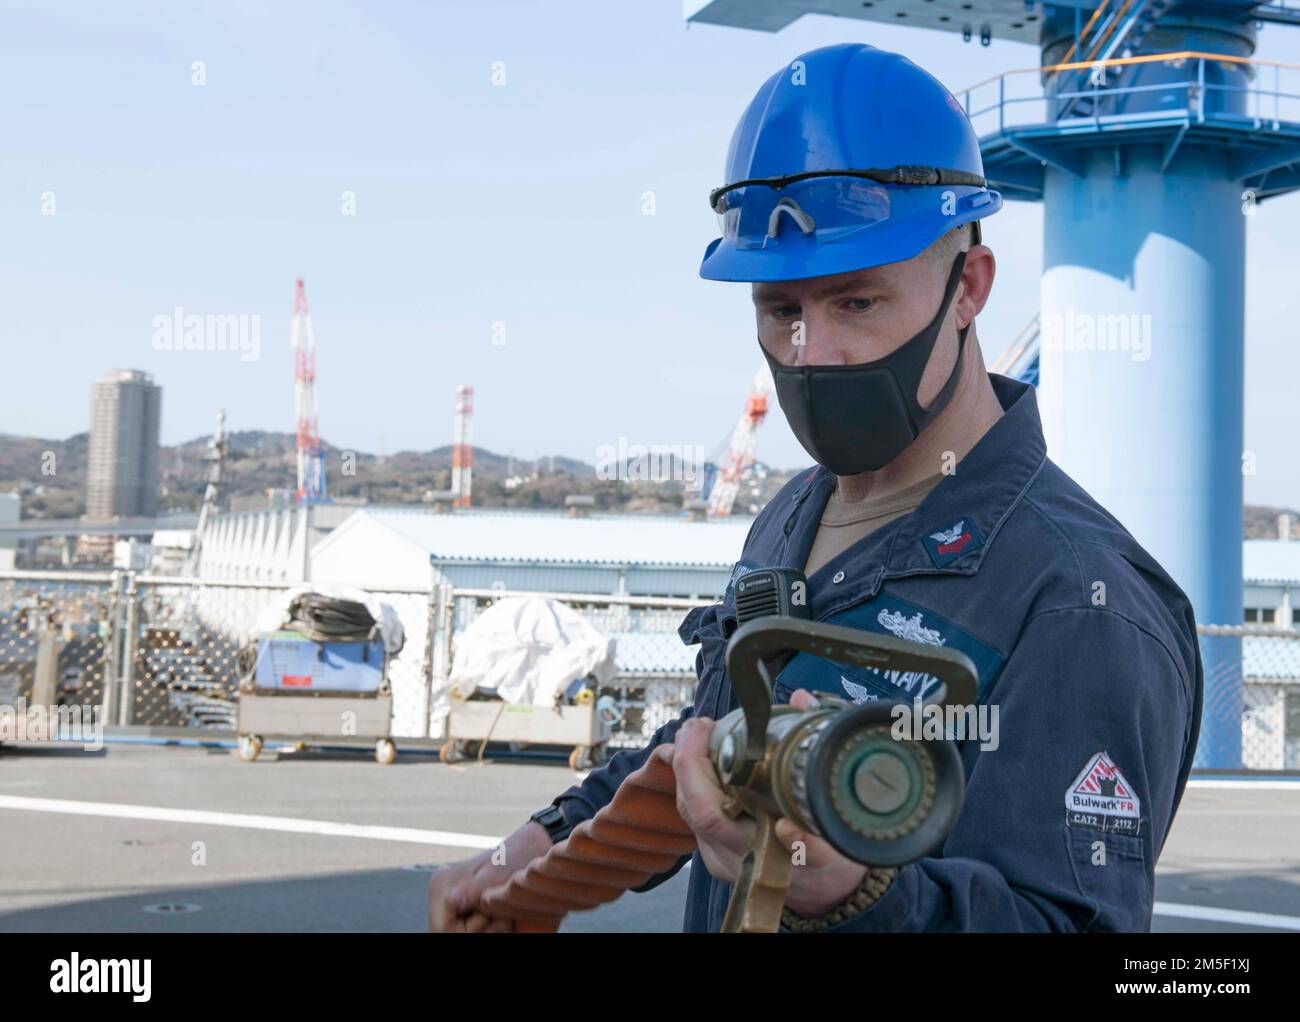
x=637, y=835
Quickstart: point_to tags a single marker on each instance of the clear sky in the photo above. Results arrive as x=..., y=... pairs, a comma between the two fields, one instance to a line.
x=521, y=204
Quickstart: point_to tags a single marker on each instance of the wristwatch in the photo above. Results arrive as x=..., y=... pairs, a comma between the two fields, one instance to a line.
x=875, y=882
x=552, y=818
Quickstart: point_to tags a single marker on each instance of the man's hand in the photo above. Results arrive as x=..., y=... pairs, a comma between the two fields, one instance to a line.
x=821, y=878
x=454, y=890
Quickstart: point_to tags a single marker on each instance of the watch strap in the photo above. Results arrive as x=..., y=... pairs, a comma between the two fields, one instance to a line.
x=553, y=819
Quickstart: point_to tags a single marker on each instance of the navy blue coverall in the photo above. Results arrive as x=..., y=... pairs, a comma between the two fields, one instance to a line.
x=1084, y=645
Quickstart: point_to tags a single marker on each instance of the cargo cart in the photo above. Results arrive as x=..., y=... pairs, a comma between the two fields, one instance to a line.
x=583, y=724
x=321, y=678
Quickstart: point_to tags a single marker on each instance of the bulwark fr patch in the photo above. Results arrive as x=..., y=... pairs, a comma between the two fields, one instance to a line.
x=1101, y=798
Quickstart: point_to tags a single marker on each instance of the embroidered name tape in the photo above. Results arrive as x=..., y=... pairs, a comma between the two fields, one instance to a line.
x=887, y=614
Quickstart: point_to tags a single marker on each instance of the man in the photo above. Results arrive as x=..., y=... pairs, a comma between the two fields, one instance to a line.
x=855, y=190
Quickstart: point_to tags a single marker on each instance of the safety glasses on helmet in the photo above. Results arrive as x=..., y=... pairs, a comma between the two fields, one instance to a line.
x=828, y=202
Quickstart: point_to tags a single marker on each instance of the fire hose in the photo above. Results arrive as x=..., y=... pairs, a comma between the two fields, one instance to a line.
x=840, y=771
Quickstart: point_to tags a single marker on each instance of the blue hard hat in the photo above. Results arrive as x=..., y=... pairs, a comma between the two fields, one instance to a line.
x=850, y=157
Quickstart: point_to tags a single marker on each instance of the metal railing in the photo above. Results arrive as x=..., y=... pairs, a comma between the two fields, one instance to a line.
x=1082, y=91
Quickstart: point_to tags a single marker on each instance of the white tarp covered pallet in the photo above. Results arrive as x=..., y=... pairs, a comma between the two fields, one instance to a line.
x=528, y=650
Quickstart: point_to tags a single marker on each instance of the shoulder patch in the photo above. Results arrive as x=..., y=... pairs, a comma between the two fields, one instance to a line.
x=949, y=542
x=1102, y=798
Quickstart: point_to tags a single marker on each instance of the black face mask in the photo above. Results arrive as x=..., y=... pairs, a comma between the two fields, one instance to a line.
x=859, y=418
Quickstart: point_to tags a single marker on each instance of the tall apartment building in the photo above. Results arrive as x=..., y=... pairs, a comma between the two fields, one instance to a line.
x=122, y=474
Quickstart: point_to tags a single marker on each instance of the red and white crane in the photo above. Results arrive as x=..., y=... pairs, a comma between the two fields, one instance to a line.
x=739, y=455
x=462, y=451
x=311, y=465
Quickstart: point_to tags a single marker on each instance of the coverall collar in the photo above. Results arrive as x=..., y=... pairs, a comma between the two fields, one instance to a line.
x=973, y=502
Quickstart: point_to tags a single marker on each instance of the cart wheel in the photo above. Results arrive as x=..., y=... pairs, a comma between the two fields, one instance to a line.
x=385, y=751
x=580, y=758
x=599, y=754
x=250, y=746
x=450, y=752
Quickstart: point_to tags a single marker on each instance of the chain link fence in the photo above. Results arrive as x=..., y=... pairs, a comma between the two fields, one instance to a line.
x=159, y=651
x=188, y=637
x=656, y=672
x=58, y=638
x=164, y=652
x=1266, y=660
